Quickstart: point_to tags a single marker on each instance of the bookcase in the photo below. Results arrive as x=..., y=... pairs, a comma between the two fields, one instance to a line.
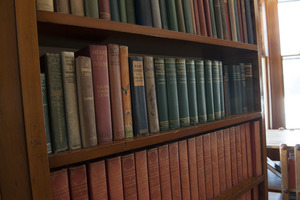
x=26, y=34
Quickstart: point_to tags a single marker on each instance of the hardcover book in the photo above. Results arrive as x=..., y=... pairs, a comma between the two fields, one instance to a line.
x=203, y=19
x=233, y=154
x=216, y=89
x=129, y=176
x=78, y=182
x=141, y=167
x=172, y=15
x=250, y=31
x=243, y=89
x=200, y=168
x=114, y=10
x=222, y=95
x=60, y=184
x=114, y=178
x=184, y=169
x=122, y=9
x=156, y=17
x=218, y=18
x=187, y=11
x=209, y=94
x=215, y=163
x=46, y=5
x=97, y=184
x=163, y=13
x=104, y=9
x=164, y=172
x=91, y=8
x=244, y=152
x=196, y=16
x=175, y=171
x=227, y=158
x=238, y=145
x=208, y=166
x=249, y=87
x=223, y=19
x=212, y=18
x=130, y=11
x=180, y=16
x=192, y=157
x=154, y=179
x=221, y=161
x=201, y=98
x=62, y=6
x=77, y=7
x=143, y=14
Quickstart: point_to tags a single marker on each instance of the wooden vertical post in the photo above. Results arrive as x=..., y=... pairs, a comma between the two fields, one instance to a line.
x=284, y=172
x=297, y=170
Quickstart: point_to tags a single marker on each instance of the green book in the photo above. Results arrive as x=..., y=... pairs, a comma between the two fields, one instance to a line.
x=58, y=128
x=212, y=18
x=209, y=91
x=161, y=93
x=172, y=93
x=201, y=97
x=172, y=15
x=216, y=89
x=222, y=90
x=114, y=10
x=227, y=96
x=156, y=18
x=180, y=16
x=188, y=16
x=218, y=18
x=234, y=91
x=183, y=100
x=130, y=11
x=46, y=112
x=163, y=13
x=239, y=95
x=237, y=20
x=91, y=8
x=244, y=94
x=249, y=87
x=192, y=91
x=122, y=9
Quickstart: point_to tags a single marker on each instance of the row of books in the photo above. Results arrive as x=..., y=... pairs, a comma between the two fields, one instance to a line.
x=112, y=96
x=212, y=18
x=201, y=167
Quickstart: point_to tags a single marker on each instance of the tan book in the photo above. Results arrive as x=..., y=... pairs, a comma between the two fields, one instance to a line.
x=46, y=5
x=77, y=7
x=62, y=6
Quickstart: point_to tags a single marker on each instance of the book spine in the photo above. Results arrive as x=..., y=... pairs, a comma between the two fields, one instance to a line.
x=60, y=184
x=46, y=5
x=216, y=89
x=130, y=11
x=201, y=98
x=163, y=14
x=244, y=21
x=184, y=169
x=215, y=163
x=86, y=101
x=126, y=91
x=239, y=88
x=70, y=95
x=116, y=91
x=244, y=92
x=114, y=10
x=197, y=17
x=256, y=147
x=234, y=91
x=208, y=167
x=142, y=174
x=192, y=158
x=104, y=9
x=156, y=14
x=249, y=87
x=114, y=178
x=200, y=168
x=91, y=8
x=221, y=81
x=223, y=19
x=218, y=18
x=233, y=155
x=221, y=161
x=161, y=93
x=249, y=149
x=244, y=152
x=227, y=97
x=249, y=22
x=192, y=91
x=232, y=20
x=212, y=18
x=46, y=112
x=237, y=22
x=129, y=176
x=172, y=15
x=151, y=94
x=138, y=97
x=227, y=19
x=239, y=153
x=164, y=172
x=186, y=5
x=227, y=159
x=207, y=17
x=180, y=16
x=78, y=182
x=195, y=28
x=143, y=12
x=123, y=13
x=239, y=15
x=62, y=6
x=202, y=18
x=56, y=102
x=172, y=93
x=97, y=184
x=77, y=7
x=209, y=91
x=175, y=170
x=183, y=100
x=154, y=179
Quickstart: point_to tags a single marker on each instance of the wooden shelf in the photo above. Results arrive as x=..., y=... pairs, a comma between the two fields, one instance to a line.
x=75, y=156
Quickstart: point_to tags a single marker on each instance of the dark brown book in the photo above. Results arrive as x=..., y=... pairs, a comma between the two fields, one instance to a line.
x=215, y=163
x=129, y=177
x=249, y=155
x=175, y=171
x=208, y=167
x=141, y=168
x=97, y=180
x=184, y=169
x=207, y=18
x=244, y=152
x=60, y=184
x=104, y=9
x=78, y=183
x=164, y=172
x=244, y=21
x=256, y=148
x=62, y=6
x=200, y=168
x=114, y=178
x=116, y=91
x=196, y=16
x=227, y=19
x=239, y=153
x=234, y=173
x=221, y=161
x=202, y=18
x=154, y=179
x=239, y=13
x=227, y=159
x=192, y=156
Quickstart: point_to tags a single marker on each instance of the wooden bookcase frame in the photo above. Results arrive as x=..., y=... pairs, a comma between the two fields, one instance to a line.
x=25, y=173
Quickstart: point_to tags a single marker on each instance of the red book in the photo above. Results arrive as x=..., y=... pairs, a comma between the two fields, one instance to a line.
x=60, y=185
x=249, y=149
x=221, y=160
x=193, y=168
x=208, y=167
x=227, y=159
x=227, y=19
x=256, y=148
x=184, y=169
x=97, y=180
x=197, y=19
x=215, y=163
x=202, y=18
x=129, y=179
x=98, y=55
x=78, y=182
x=244, y=152
x=234, y=173
x=164, y=172
x=239, y=153
x=104, y=9
x=116, y=91
x=141, y=168
x=153, y=167
x=207, y=17
x=200, y=168
x=114, y=178
x=175, y=171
